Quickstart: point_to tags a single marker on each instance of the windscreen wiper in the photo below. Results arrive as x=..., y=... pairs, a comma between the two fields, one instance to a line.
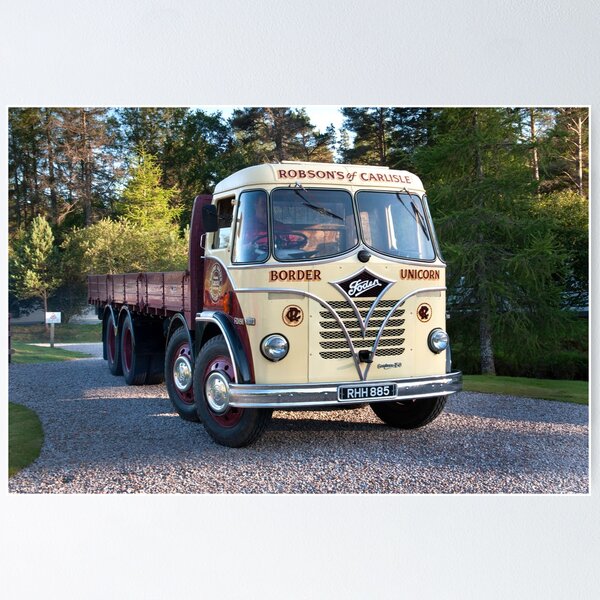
x=416, y=215
x=319, y=209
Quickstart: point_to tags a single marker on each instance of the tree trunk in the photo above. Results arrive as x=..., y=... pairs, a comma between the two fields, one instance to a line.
x=428, y=126
x=51, y=175
x=381, y=136
x=17, y=188
x=45, y=299
x=486, y=346
x=85, y=171
x=486, y=349
x=535, y=162
x=25, y=188
x=579, y=155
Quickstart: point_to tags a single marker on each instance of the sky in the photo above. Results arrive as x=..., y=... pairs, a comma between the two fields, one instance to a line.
x=320, y=116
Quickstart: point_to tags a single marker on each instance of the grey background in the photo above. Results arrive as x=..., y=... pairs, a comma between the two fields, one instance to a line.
x=163, y=52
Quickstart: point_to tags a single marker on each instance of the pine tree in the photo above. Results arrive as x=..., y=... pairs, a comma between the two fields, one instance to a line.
x=344, y=147
x=87, y=164
x=34, y=264
x=274, y=134
x=145, y=203
x=572, y=133
x=373, y=129
x=502, y=260
x=25, y=166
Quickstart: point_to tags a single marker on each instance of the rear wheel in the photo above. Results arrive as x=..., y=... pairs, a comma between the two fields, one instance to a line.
x=112, y=345
x=133, y=362
x=227, y=425
x=178, y=370
x=409, y=414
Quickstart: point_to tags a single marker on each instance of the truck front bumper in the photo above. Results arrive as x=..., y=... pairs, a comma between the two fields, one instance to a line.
x=327, y=394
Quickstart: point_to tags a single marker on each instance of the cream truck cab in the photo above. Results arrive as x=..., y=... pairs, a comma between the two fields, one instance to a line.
x=323, y=287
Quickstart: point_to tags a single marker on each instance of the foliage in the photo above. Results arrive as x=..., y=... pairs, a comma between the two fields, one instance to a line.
x=386, y=136
x=123, y=247
x=508, y=190
x=503, y=263
x=274, y=134
x=565, y=152
x=144, y=202
x=144, y=238
x=567, y=215
x=25, y=437
x=34, y=267
x=372, y=127
x=61, y=165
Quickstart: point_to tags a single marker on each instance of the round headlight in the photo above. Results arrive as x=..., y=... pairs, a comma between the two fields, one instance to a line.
x=274, y=347
x=438, y=340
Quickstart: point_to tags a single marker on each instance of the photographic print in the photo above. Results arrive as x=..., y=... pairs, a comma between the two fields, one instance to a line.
x=299, y=300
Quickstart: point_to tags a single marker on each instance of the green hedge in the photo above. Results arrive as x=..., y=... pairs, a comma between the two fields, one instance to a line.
x=561, y=364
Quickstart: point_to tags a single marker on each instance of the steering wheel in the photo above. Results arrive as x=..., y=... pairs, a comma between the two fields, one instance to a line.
x=292, y=240
x=260, y=244
x=262, y=239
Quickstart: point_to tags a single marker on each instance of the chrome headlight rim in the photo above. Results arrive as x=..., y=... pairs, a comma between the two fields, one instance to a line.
x=270, y=351
x=438, y=340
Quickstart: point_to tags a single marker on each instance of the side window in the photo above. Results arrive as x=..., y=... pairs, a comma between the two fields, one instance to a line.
x=225, y=217
x=251, y=241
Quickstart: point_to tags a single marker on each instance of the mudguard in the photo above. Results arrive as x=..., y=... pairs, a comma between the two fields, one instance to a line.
x=221, y=320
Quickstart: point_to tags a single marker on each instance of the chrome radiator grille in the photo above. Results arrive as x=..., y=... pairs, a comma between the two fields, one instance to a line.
x=333, y=342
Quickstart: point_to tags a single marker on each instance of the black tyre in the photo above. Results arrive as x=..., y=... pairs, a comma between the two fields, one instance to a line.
x=133, y=362
x=178, y=370
x=156, y=369
x=112, y=346
x=409, y=414
x=228, y=426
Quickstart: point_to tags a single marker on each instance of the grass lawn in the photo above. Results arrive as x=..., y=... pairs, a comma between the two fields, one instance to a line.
x=63, y=334
x=547, y=389
x=25, y=437
x=24, y=353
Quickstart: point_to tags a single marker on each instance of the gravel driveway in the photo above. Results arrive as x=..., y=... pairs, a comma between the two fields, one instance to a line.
x=102, y=436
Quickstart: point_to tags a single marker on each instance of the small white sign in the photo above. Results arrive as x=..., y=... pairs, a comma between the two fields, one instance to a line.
x=52, y=317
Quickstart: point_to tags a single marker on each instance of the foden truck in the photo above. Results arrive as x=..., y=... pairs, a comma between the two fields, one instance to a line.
x=309, y=286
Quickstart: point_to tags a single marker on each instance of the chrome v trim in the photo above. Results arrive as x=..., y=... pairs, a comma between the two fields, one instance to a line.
x=392, y=311
x=362, y=324
x=316, y=299
x=362, y=375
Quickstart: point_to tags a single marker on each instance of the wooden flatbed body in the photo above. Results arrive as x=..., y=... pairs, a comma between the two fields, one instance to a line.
x=155, y=294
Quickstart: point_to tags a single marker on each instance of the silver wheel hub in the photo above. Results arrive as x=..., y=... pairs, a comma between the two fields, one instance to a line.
x=217, y=392
x=182, y=373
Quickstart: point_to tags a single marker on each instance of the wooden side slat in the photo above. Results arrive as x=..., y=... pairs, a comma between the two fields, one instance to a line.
x=155, y=293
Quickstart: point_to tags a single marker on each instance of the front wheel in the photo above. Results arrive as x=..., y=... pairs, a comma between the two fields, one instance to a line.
x=227, y=425
x=409, y=414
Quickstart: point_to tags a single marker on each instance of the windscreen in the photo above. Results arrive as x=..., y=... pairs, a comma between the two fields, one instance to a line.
x=394, y=223
x=312, y=223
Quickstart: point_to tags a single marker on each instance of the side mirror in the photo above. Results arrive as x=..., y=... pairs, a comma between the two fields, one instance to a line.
x=210, y=220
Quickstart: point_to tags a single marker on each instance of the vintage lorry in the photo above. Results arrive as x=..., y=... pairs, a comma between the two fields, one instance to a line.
x=309, y=286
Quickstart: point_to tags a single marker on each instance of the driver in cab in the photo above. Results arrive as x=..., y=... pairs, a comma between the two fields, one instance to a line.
x=253, y=227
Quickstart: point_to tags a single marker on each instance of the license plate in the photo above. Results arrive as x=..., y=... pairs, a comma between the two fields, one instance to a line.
x=365, y=392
